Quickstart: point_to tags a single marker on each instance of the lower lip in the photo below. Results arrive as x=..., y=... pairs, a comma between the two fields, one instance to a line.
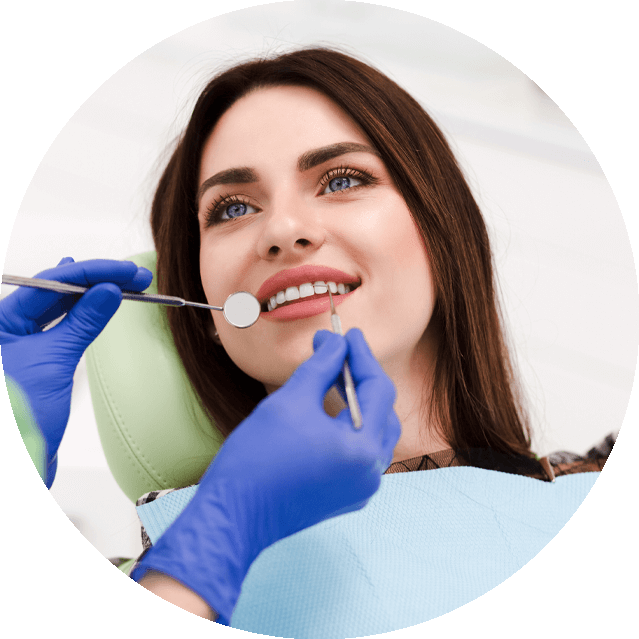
x=317, y=305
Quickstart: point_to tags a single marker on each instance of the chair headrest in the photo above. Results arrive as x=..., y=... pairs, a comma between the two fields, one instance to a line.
x=154, y=431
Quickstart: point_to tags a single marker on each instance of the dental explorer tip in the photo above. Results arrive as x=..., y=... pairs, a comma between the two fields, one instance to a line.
x=330, y=297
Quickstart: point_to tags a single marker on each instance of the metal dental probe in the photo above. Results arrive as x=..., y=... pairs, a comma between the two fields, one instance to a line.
x=353, y=404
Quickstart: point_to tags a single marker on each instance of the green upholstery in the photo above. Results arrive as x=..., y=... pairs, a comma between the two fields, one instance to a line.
x=29, y=431
x=126, y=566
x=154, y=432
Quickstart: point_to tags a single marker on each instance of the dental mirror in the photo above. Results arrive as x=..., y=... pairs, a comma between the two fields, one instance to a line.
x=240, y=309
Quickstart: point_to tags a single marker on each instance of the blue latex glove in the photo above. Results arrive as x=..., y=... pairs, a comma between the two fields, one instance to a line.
x=285, y=467
x=42, y=363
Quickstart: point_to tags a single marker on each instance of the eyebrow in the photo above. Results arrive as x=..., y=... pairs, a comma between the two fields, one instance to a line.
x=306, y=161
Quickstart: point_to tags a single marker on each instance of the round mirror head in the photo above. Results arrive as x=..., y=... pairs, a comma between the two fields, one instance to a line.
x=242, y=309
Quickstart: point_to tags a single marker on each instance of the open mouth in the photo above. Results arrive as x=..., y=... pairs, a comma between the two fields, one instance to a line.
x=306, y=292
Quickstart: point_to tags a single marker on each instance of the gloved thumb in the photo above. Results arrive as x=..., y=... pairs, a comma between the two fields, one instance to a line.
x=319, y=338
x=317, y=374
x=89, y=315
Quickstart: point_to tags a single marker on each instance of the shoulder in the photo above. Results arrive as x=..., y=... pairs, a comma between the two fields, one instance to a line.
x=565, y=463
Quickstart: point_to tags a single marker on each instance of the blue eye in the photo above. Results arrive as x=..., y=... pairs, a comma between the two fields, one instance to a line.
x=343, y=178
x=341, y=183
x=236, y=210
x=229, y=208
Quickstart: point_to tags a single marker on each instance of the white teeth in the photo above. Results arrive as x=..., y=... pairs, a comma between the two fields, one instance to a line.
x=306, y=290
x=320, y=287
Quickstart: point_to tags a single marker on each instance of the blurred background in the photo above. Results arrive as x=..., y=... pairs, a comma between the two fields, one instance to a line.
x=564, y=260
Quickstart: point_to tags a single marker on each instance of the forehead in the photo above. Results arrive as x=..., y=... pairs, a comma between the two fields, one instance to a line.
x=278, y=122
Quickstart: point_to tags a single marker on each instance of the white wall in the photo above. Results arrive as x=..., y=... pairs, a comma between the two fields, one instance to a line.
x=561, y=247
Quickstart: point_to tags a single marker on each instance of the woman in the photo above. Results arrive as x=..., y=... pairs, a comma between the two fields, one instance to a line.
x=474, y=401
x=315, y=158
x=432, y=279
x=296, y=173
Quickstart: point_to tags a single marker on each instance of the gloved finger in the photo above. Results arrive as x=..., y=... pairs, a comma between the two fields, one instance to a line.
x=312, y=379
x=318, y=339
x=140, y=281
x=384, y=442
x=29, y=304
x=375, y=391
x=126, y=274
x=88, y=317
x=62, y=306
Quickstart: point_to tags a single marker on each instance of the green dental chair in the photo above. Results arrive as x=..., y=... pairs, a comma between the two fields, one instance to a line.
x=153, y=430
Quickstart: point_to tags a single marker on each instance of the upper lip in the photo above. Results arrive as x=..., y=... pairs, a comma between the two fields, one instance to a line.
x=301, y=275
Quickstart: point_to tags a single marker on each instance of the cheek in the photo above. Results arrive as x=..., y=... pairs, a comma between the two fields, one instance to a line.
x=390, y=224
x=208, y=273
x=414, y=256
x=219, y=269
x=412, y=240
x=417, y=233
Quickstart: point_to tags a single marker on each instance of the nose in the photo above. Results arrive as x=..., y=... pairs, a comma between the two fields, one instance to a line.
x=291, y=229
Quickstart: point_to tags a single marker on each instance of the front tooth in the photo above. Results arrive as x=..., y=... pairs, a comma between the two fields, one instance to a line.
x=269, y=306
x=273, y=302
x=332, y=286
x=341, y=289
x=292, y=293
x=306, y=290
x=320, y=287
x=280, y=298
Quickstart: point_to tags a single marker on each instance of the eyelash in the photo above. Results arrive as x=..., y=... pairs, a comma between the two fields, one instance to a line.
x=214, y=210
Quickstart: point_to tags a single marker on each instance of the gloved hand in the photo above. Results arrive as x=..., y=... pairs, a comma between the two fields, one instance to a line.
x=285, y=467
x=42, y=363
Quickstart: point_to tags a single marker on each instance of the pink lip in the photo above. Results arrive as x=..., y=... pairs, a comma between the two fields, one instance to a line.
x=301, y=275
x=315, y=305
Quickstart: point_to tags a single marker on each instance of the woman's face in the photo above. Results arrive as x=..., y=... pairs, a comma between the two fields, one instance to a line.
x=293, y=193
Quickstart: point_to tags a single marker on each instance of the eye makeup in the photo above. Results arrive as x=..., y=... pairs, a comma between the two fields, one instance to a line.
x=364, y=177
x=221, y=204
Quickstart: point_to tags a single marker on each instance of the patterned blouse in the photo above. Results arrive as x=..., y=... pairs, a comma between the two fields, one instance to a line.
x=545, y=469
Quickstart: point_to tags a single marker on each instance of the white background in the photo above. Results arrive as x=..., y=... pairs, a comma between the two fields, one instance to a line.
x=562, y=251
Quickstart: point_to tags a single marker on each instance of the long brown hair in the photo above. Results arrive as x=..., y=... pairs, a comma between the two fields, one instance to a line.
x=475, y=397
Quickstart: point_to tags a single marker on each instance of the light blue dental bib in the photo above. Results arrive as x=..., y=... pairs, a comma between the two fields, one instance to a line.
x=427, y=542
